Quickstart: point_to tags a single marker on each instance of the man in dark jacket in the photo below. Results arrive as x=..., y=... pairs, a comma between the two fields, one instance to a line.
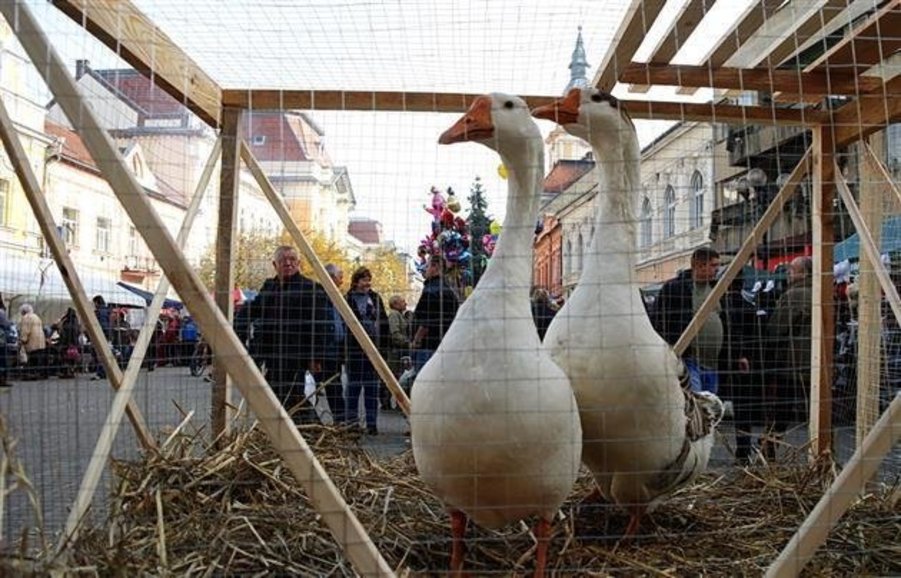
x=674, y=309
x=291, y=326
x=434, y=312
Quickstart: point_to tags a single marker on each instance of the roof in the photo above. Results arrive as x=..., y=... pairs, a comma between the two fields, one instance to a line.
x=367, y=231
x=137, y=90
x=564, y=173
x=285, y=136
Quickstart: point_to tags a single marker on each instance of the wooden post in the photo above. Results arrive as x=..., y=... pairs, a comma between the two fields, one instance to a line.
x=372, y=352
x=274, y=420
x=837, y=499
x=229, y=182
x=67, y=270
x=869, y=306
x=111, y=426
x=822, y=338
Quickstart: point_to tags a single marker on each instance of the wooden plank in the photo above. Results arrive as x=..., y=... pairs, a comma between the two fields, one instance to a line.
x=129, y=33
x=639, y=18
x=744, y=253
x=273, y=419
x=868, y=44
x=843, y=492
x=265, y=99
x=85, y=308
x=822, y=313
x=690, y=16
x=823, y=82
x=224, y=281
x=372, y=352
x=748, y=23
x=869, y=304
x=100, y=455
x=811, y=26
x=870, y=112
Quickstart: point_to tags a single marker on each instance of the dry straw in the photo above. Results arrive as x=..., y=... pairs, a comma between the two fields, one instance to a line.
x=197, y=511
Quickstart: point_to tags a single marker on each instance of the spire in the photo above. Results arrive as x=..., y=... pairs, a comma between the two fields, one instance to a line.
x=578, y=66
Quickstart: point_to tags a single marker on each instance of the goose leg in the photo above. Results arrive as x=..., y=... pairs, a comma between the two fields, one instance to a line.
x=634, y=521
x=543, y=535
x=458, y=548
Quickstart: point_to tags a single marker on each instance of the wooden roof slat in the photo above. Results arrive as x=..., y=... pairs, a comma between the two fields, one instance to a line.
x=869, y=113
x=628, y=38
x=821, y=82
x=685, y=24
x=868, y=44
x=263, y=99
x=141, y=43
x=810, y=27
x=749, y=23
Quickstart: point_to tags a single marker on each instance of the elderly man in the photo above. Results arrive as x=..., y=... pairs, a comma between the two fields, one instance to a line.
x=674, y=309
x=788, y=352
x=291, y=327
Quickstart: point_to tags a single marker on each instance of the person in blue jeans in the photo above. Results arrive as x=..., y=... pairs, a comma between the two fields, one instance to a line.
x=369, y=309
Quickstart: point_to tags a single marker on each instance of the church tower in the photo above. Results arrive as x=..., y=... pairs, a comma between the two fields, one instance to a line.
x=560, y=144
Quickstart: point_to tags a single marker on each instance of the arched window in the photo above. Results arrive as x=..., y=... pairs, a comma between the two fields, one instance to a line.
x=669, y=212
x=644, y=224
x=696, y=209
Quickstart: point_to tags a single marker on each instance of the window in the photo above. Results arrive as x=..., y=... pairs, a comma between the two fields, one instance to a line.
x=644, y=224
x=70, y=227
x=669, y=212
x=259, y=140
x=133, y=242
x=567, y=258
x=104, y=235
x=579, y=250
x=696, y=209
x=4, y=200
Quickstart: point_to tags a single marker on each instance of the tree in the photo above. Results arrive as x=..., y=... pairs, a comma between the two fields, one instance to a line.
x=389, y=272
x=479, y=226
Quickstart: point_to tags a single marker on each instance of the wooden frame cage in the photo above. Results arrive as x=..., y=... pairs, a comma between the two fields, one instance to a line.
x=857, y=68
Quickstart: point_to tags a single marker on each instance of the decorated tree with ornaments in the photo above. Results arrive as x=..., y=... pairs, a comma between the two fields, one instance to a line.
x=451, y=236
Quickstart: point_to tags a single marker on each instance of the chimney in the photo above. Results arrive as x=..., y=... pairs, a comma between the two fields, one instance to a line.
x=81, y=68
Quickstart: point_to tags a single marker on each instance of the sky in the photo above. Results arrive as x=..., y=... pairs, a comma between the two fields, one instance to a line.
x=472, y=46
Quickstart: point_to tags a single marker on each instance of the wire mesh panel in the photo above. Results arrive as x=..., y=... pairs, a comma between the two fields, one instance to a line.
x=491, y=287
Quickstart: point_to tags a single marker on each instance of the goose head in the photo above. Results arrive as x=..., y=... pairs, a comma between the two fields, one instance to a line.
x=502, y=122
x=585, y=113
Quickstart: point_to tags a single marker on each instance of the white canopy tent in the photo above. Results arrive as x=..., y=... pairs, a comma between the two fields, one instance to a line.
x=39, y=282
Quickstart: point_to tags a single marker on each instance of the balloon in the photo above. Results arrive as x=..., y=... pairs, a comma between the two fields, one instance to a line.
x=502, y=171
x=495, y=228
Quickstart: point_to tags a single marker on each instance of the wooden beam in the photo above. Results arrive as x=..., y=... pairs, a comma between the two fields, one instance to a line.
x=813, y=25
x=338, y=301
x=870, y=112
x=639, y=18
x=843, y=492
x=273, y=419
x=823, y=82
x=867, y=45
x=822, y=338
x=265, y=99
x=691, y=15
x=749, y=22
x=100, y=455
x=129, y=33
x=224, y=281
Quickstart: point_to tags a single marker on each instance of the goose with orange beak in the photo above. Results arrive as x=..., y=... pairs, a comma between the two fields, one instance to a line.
x=495, y=427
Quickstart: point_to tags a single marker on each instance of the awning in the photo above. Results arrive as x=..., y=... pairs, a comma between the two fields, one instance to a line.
x=891, y=241
x=147, y=296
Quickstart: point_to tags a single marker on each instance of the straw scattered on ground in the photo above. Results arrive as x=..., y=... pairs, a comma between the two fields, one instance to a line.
x=192, y=510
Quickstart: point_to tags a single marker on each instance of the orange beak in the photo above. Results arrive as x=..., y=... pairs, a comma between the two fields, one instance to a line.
x=474, y=125
x=562, y=111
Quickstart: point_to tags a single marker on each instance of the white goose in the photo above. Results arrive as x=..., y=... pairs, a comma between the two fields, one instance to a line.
x=494, y=423
x=645, y=435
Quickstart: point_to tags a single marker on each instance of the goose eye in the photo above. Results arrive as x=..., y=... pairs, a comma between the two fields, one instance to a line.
x=508, y=105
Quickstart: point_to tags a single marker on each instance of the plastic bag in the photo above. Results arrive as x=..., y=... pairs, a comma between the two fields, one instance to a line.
x=23, y=355
x=72, y=353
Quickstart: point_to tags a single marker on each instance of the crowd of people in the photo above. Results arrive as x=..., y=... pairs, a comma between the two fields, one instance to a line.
x=758, y=358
